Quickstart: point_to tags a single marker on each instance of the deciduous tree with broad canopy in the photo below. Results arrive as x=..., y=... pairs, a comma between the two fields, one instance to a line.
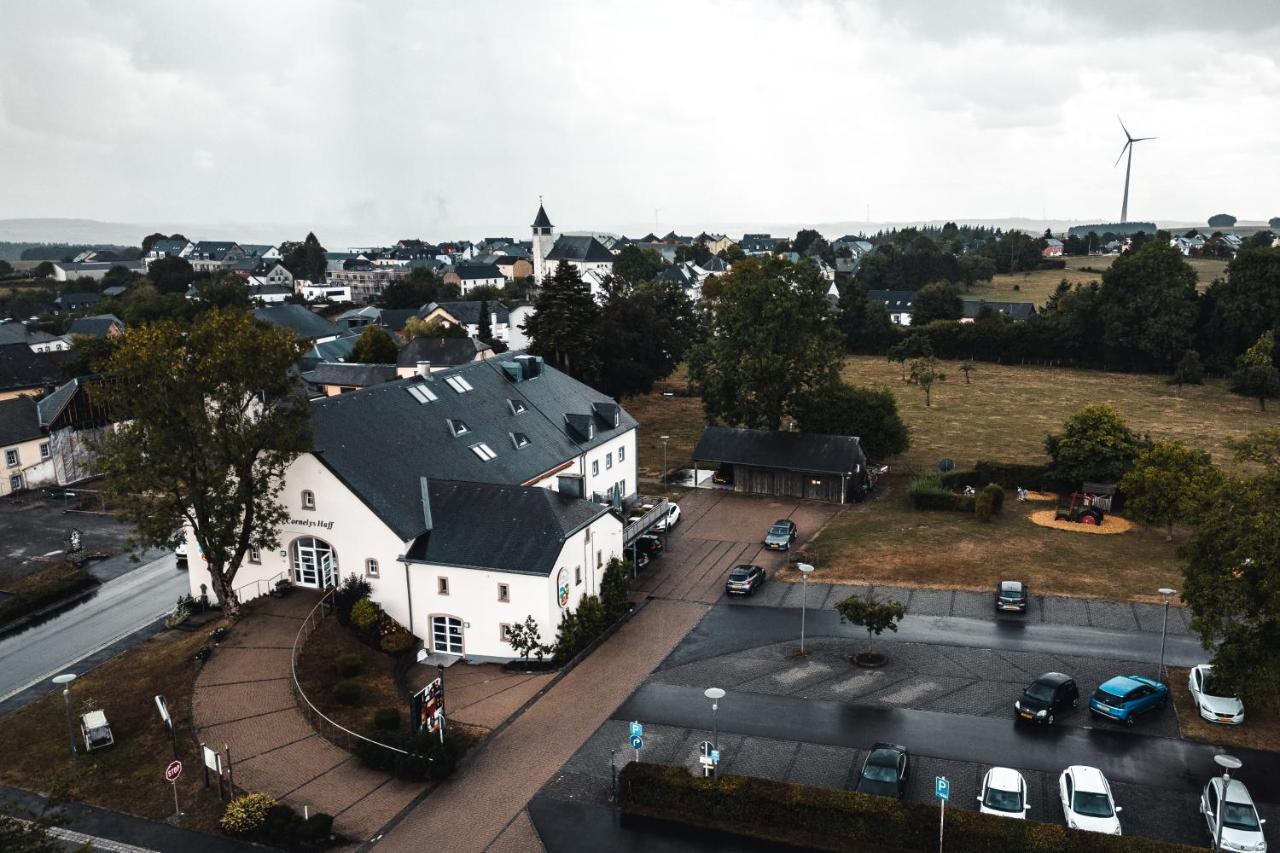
x=1095, y=445
x=844, y=409
x=374, y=346
x=1168, y=484
x=208, y=419
x=772, y=337
x=1230, y=577
x=874, y=614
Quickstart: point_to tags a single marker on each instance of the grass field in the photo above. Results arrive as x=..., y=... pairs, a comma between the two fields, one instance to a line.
x=128, y=776
x=887, y=541
x=1007, y=410
x=1260, y=729
x=1039, y=285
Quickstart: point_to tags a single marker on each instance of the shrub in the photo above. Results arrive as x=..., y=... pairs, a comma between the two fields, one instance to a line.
x=845, y=820
x=394, y=638
x=386, y=719
x=352, y=589
x=179, y=614
x=347, y=692
x=315, y=830
x=929, y=493
x=997, y=496
x=983, y=506
x=365, y=614
x=614, y=587
x=348, y=665
x=280, y=825
x=218, y=634
x=203, y=653
x=1010, y=475
x=246, y=814
x=375, y=756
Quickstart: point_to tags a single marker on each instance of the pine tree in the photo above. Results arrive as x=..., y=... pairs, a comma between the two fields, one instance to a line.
x=565, y=325
x=485, y=332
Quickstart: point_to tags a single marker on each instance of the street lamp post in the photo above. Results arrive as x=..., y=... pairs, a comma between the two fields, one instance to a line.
x=665, y=439
x=805, y=571
x=715, y=694
x=1164, y=628
x=1227, y=763
x=65, y=680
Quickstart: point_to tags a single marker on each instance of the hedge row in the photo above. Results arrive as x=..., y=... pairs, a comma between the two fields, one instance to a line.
x=1010, y=475
x=29, y=601
x=930, y=493
x=844, y=820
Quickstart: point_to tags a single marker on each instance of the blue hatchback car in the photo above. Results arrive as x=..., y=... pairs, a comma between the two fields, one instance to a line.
x=1126, y=696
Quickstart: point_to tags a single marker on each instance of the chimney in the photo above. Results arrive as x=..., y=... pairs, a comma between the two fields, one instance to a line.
x=424, y=369
x=570, y=484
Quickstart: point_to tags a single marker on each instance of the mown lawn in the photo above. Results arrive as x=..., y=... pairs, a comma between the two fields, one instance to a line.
x=888, y=542
x=1037, y=286
x=1260, y=729
x=129, y=776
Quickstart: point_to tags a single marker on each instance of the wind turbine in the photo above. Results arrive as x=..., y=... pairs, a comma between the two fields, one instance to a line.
x=1128, y=146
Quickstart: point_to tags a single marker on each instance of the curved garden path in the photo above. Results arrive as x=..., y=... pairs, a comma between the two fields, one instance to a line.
x=243, y=699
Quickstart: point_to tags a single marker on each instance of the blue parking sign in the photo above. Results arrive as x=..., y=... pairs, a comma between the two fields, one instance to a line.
x=942, y=787
x=637, y=730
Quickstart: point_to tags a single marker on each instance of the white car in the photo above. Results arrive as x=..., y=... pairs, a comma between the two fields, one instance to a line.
x=181, y=553
x=1004, y=793
x=1241, y=826
x=1227, y=710
x=671, y=520
x=1087, y=802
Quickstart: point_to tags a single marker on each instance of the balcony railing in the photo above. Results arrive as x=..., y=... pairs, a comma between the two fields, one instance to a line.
x=643, y=513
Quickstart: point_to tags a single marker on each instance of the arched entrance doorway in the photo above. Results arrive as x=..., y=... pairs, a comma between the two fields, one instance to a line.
x=314, y=563
x=446, y=635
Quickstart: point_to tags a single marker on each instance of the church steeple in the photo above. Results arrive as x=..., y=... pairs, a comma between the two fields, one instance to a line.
x=543, y=241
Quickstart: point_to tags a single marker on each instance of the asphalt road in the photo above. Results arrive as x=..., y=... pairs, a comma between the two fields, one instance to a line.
x=729, y=628
x=1122, y=755
x=117, y=609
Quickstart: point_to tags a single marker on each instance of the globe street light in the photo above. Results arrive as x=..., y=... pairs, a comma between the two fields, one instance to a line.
x=715, y=694
x=65, y=680
x=1164, y=628
x=805, y=571
x=1227, y=763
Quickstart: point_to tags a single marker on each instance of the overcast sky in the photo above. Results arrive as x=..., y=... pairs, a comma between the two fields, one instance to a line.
x=382, y=120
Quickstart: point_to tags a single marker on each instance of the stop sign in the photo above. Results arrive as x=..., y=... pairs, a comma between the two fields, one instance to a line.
x=173, y=771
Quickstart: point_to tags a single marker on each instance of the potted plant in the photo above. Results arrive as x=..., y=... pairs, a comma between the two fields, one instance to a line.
x=282, y=587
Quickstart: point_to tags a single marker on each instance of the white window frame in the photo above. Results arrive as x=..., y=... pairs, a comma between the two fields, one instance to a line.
x=371, y=568
x=595, y=467
x=442, y=585
x=608, y=461
x=308, y=499
x=504, y=593
x=45, y=450
x=15, y=483
x=622, y=453
x=11, y=458
x=255, y=555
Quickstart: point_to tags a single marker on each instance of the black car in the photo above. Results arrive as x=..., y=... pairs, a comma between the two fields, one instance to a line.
x=884, y=772
x=744, y=580
x=1049, y=695
x=1012, y=596
x=651, y=545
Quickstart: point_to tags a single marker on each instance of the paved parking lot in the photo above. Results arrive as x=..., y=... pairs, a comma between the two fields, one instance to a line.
x=34, y=531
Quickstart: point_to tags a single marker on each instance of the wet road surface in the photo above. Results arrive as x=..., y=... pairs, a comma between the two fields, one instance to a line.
x=117, y=609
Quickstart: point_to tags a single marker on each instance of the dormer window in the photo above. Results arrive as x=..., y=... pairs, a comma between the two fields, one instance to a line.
x=517, y=406
x=519, y=439
x=457, y=427
x=483, y=451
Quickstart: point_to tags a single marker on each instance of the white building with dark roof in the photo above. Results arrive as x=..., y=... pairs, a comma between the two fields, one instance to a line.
x=584, y=252
x=469, y=500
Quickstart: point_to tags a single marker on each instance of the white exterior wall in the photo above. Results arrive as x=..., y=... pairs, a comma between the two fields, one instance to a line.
x=516, y=338
x=466, y=285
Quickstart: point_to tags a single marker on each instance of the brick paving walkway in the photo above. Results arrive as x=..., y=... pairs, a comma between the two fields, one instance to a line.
x=242, y=699
x=482, y=808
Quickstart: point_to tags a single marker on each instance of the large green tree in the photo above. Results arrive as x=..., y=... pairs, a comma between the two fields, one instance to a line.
x=1168, y=484
x=865, y=324
x=305, y=260
x=772, y=337
x=843, y=409
x=565, y=326
x=1256, y=374
x=1148, y=305
x=1095, y=445
x=1241, y=306
x=207, y=420
x=374, y=346
x=1230, y=577
x=415, y=290
x=645, y=331
x=937, y=301
x=171, y=274
x=635, y=265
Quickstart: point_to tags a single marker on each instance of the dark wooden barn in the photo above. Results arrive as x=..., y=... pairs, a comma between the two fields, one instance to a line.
x=807, y=465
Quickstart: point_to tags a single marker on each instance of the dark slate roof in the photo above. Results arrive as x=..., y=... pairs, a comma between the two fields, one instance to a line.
x=345, y=373
x=518, y=529
x=15, y=332
x=441, y=352
x=468, y=313
x=569, y=247
x=381, y=440
x=1015, y=310
x=70, y=298
x=168, y=247
x=335, y=350
x=51, y=405
x=474, y=271
x=97, y=326
x=22, y=368
x=894, y=300
x=541, y=220
x=256, y=249
x=305, y=323
x=18, y=421
x=792, y=451
x=716, y=264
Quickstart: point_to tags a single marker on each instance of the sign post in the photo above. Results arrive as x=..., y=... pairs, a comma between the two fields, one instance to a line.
x=171, y=774
x=942, y=789
x=428, y=708
x=163, y=707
